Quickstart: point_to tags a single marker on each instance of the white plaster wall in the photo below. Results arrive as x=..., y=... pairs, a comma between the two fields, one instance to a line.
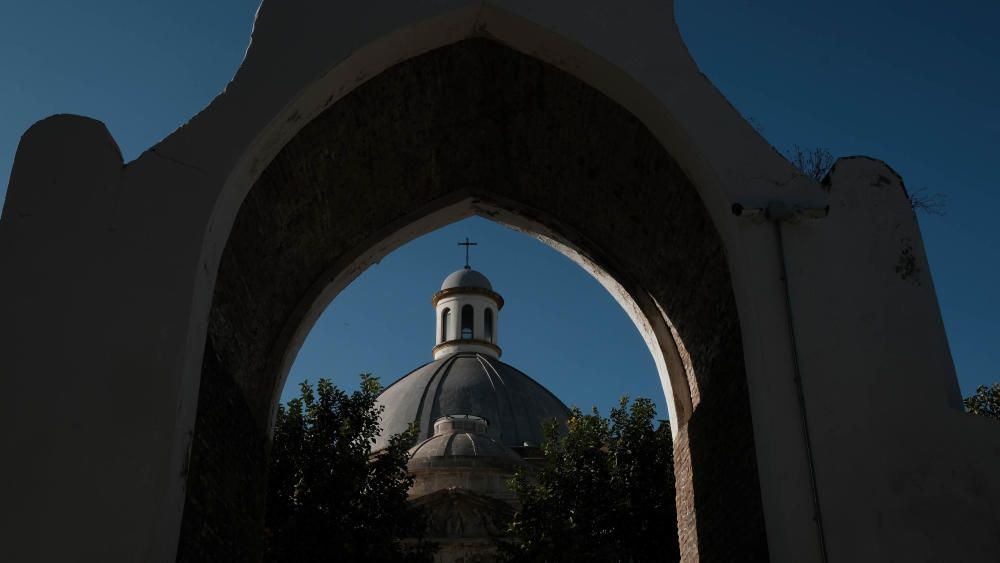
x=903, y=472
x=108, y=274
x=97, y=306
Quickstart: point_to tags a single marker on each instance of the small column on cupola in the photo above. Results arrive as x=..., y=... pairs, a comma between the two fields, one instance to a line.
x=467, y=312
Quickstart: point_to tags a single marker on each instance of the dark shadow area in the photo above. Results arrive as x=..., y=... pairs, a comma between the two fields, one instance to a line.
x=227, y=474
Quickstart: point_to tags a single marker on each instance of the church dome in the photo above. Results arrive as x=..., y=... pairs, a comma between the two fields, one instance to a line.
x=461, y=439
x=466, y=277
x=514, y=405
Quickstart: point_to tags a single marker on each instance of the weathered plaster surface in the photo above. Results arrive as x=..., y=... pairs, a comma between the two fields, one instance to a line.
x=883, y=400
x=109, y=274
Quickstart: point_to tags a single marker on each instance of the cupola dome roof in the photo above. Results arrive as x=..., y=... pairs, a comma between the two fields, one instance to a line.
x=466, y=277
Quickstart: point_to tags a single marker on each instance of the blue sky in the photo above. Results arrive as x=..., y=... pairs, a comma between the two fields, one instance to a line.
x=914, y=83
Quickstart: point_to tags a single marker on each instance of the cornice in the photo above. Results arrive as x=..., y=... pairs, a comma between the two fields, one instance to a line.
x=452, y=291
x=467, y=341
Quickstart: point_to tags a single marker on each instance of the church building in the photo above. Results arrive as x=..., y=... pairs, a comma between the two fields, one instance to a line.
x=480, y=420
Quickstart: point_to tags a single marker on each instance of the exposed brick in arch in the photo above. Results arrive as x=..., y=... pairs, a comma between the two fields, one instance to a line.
x=473, y=119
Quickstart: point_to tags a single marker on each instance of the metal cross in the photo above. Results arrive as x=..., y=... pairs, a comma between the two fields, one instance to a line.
x=467, y=244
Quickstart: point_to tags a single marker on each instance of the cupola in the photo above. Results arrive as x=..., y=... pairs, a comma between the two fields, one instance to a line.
x=467, y=311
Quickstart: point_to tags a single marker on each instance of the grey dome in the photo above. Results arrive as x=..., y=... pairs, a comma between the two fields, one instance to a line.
x=466, y=277
x=514, y=405
x=456, y=440
x=461, y=444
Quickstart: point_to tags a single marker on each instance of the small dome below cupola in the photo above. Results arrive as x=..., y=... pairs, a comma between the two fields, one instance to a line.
x=461, y=456
x=461, y=436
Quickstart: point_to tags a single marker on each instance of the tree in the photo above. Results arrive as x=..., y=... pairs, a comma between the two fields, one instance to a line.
x=985, y=402
x=328, y=495
x=605, y=492
x=814, y=163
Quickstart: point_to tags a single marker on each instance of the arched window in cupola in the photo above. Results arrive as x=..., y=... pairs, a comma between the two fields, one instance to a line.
x=467, y=317
x=445, y=321
x=488, y=324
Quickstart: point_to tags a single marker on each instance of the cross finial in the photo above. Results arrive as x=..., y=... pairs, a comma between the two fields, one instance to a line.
x=467, y=244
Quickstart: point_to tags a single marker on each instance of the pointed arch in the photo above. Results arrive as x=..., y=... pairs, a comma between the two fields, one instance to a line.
x=516, y=144
x=468, y=322
x=488, y=325
x=445, y=324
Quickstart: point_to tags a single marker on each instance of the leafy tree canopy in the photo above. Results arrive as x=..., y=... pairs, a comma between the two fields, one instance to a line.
x=986, y=401
x=329, y=496
x=605, y=491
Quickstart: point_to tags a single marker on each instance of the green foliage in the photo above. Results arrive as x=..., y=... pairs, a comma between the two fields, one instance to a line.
x=605, y=492
x=329, y=497
x=986, y=401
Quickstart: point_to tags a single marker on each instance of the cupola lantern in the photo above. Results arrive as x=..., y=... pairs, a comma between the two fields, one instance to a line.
x=467, y=312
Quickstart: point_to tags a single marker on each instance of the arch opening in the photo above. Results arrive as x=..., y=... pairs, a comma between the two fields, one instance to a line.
x=570, y=335
x=488, y=324
x=428, y=142
x=468, y=321
x=445, y=323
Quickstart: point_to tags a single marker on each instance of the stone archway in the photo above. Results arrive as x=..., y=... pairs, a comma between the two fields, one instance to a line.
x=480, y=127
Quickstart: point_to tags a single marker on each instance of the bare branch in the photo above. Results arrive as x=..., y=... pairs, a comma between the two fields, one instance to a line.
x=814, y=163
x=931, y=203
